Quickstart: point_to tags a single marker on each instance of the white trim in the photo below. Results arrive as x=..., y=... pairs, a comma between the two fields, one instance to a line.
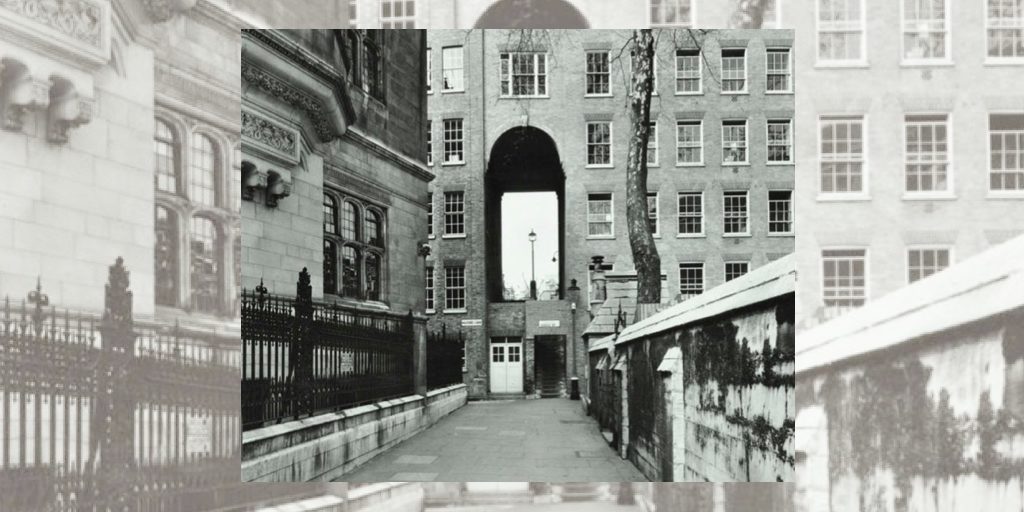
x=703, y=276
x=746, y=72
x=789, y=53
x=746, y=208
x=792, y=212
x=867, y=269
x=947, y=60
x=536, y=82
x=864, y=193
x=788, y=122
x=746, y=143
x=462, y=70
x=611, y=214
x=657, y=214
x=703, y=215
x=611, y=145
x=700, y=125
x=693, y=17
x=430, y=70
x=994, y=61
x=700, y=73
x=990, y=193
x=950, y=191
x=586, y=53
x=657, y=147
x=853, y=63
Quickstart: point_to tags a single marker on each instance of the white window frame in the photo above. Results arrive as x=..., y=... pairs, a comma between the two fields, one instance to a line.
x=611, y=214
x=927, y=247
x=431, y=234
x=430, y=143
x=703, y=214
x=587, y=73
x=1000, y=193
x=693, y=16
x=777, y=22
x=700, y=128
x=461, y=69
x=792, y=215
x=430, y=287
x=700, y=72
x=988, y=58
x=430, y=71
x=789, y=69
x=768, y=145
x=867, y=272
x=746, y=143
x=465, y=286
x=946, y=30
x=611, y=145
x=703, y=278
x=930, y=194
x=536, y=75
x=398, y=22
x=746, y=214
x=656, y=233
x=840, y=63
x=445, y=141
x=445, y=214
x=725, y=272
x=652, y=145
x=863, y=194
x=746, y=71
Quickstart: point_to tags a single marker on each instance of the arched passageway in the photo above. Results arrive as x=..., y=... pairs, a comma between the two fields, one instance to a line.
x=532, y=14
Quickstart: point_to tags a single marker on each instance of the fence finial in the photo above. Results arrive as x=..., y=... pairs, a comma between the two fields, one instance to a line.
x=117, y=311
x=261, y=292
x=41, y=300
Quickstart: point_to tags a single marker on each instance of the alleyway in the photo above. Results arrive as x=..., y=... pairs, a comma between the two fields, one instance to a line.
x=546, y=440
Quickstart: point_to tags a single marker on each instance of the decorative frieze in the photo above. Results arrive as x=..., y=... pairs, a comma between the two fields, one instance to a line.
x=81, y=20
x=75, y=32
x=163, y=10
x=270, y=136
x=295, y=97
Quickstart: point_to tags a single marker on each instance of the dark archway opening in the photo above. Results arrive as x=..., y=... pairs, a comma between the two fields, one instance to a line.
x=523, y=159
x=538, y=14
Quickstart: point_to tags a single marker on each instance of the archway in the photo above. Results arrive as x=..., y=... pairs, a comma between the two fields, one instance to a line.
x=523, y=159
x=542, y=14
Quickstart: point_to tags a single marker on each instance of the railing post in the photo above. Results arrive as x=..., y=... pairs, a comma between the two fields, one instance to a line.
x=418, y=331
x=303, y=345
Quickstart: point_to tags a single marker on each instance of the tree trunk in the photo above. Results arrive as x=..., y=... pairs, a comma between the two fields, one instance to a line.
x=641, y=242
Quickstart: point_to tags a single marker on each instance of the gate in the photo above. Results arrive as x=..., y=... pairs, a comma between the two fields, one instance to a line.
x=109, y=413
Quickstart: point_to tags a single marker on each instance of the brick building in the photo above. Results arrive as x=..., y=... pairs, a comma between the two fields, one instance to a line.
x=721, y=191
x=569, y=14
x=911, y=144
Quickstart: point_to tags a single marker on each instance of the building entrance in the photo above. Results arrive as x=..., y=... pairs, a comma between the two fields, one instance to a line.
x=506, y=365
x=550, y=365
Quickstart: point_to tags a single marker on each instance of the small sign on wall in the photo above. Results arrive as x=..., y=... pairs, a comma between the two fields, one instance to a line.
x=472, y=322
x=197, y=435
x=549, y=323
x=348, y=363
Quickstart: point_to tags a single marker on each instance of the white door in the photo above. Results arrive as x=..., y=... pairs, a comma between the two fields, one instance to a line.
x=506, y=366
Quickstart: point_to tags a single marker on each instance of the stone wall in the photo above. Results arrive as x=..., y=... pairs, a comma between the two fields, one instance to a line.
x=328, y=446
x=935, y=426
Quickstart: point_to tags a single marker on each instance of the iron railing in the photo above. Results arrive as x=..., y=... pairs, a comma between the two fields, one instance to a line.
x=445, y=358
x=101, y=412
x=301, y=357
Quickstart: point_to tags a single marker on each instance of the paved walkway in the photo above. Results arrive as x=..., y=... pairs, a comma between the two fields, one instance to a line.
x=579, y=506
x=543, y=440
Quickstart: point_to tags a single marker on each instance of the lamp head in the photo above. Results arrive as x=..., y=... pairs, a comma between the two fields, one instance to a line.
x=533, y=236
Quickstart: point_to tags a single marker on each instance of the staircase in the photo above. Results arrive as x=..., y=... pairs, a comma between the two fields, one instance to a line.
x=549, y=384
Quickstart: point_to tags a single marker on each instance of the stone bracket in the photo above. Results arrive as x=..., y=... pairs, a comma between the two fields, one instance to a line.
x=279, y=185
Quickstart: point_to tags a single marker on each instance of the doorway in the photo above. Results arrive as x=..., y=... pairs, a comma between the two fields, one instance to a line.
x=550, y=365
x=506, y=365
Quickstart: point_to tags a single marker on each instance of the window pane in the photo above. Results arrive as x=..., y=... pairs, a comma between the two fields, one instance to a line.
x=166, y=257
x=166, y=165
x=204, y=174
x=205, y=265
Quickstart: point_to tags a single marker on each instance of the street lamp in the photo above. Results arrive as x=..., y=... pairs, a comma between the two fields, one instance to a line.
x=533, y=274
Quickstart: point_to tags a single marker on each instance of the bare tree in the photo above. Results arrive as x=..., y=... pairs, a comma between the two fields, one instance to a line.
x=645, y=254
x=749, y=14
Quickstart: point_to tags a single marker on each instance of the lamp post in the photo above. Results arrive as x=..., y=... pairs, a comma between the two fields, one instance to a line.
x=533, y=274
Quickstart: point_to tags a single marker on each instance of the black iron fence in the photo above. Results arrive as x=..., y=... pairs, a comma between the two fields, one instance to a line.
x=106, y=413
x=301, y=357
x=446, y=358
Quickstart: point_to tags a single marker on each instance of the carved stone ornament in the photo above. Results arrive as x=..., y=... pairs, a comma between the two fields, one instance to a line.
x=278, y=186
x=20, y=92
x=82, y=20
x=163, y=10
x=293, y=96
x=67, y=110
x=270, y=135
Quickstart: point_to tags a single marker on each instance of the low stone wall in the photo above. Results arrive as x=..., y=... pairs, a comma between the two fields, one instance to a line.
x=327, y=446
x=386, y=497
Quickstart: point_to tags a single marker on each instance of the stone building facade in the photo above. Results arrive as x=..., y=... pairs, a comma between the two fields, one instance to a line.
x=548, y=133
x=334, y=178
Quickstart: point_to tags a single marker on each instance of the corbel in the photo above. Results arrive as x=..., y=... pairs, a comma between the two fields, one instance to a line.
x=20, y=93
x=278, y=187
x=67, y=110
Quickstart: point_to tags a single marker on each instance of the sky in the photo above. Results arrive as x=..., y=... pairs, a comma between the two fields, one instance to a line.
x=521, y=212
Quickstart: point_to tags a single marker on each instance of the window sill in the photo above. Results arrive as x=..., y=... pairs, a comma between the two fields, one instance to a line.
x=735, y=164
x=599, y=166
x=735, y=93
x=778, y=93
x=781, y=235
x=907, y=63
x=429, y=312
x=453, y=164
x=857, y=64
x=1005, y=61
x=736, y=235
x=701, y=235
x=839, y=198
x=456, y=236
x=656, y=235
x=541, y=97
x=944, y=196
x=701, y=164
x=654, y=165
x=609, y=95
x=779, y=164
x=452, y=91
x=462, y=311
x=695, y=93
x=600, y=237
x=994, y=194
x=431, y=237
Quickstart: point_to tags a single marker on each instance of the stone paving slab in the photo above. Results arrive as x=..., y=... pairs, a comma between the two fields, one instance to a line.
x=541, y=440
x=577, y=506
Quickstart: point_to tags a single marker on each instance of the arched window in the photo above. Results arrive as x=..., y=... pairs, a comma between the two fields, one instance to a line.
x=203, y=182
x=330, y=267
x=330, y=215
x=205, y=265
x=350, y=276
x=373, y=229
x=165, y=158
x=166, y=258
x=372, y=276
x=349, y=221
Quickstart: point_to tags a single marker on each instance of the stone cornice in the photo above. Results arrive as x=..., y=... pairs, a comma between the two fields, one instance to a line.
x=416, y=169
